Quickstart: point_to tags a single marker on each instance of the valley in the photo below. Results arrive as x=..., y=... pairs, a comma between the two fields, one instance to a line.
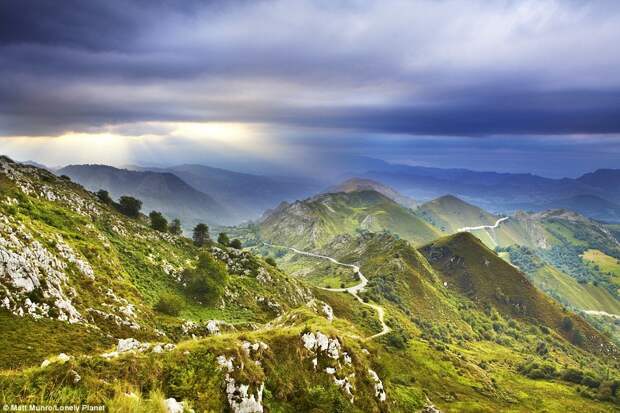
x=344, y=301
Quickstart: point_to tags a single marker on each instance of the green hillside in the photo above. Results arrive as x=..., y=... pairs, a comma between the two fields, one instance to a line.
x=315, y=221
x=98, y=308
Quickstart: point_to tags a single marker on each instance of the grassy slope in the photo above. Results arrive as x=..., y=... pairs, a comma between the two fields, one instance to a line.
x=466, y=265
x=133, y=261
x=327, y=216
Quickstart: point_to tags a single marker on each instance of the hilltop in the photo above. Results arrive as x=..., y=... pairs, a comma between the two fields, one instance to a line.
x=361, y=184
x=315, y=221
x=121, y=316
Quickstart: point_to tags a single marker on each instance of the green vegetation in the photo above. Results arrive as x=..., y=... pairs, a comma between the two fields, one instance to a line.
x=175, y=227
x=169, y=304
x=201, y=235
x=469, y=333
x=208, y=280
x=316, y=221
x=158, y=222
x=129, y=206
x=223, y=239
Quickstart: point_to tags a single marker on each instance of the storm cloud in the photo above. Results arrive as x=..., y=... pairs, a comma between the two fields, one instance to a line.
x=424, y=67
x=475, y=69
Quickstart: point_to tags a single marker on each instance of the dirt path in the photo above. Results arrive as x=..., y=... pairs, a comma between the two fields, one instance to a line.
x=354, y=290
x=499, y=221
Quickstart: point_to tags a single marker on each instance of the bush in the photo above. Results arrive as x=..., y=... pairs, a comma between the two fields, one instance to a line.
x=169, y=304
x=572, y=375
x=535, y=370
x=236, y=244
x=271, y=261
x=223, y=239
x=104, y=196
x=567, y=324
x=129, y=206
x=158, y=222
x=208, y=280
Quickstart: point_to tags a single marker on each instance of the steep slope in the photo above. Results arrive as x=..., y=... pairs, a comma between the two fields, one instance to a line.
x=245, y=196
x=449, y=213
x=71, y=264
x=464, y=352
x=467, y=266
x=82, y=280
x=360, y=184
x=315, y=221
x=163, y=192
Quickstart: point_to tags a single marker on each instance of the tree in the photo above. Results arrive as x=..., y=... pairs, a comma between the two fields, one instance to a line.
x=271, y=261
x=236, y=244
x=567, y=324
x=175, y=227
x=201, y=234
x=208, y=280
x=158, y=222
x=223, y=239
x=104, y=196
x=129, y=206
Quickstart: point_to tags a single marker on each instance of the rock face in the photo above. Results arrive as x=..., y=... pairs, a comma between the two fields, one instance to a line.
x=379, y=390
x=28, y=268
x=243, y=398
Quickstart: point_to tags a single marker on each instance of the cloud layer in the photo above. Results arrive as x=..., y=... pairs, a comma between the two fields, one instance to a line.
x=426, y=67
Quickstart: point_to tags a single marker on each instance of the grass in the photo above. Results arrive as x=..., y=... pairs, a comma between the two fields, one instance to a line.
x=604, y=262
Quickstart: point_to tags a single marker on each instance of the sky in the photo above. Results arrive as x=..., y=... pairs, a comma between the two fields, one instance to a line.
x=271, y=86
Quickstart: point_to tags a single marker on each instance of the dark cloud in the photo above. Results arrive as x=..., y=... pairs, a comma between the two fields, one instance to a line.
x=442, y=68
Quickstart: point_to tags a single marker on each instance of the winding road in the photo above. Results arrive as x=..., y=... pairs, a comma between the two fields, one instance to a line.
x=354, y=290
x=499, y=221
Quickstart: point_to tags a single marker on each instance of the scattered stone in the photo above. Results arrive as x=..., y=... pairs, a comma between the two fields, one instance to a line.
x=173, y=406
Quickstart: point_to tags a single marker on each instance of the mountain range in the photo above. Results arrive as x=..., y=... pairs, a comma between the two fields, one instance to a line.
x=122, y=317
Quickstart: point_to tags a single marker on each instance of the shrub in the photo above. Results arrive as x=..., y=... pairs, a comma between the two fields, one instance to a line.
x=208, y=280
x=572, y=375
x=169, y=304
x=535, y=370
x=158, y=222
x=567, y=324
x=104, y=196
x=271, y=261
x=223, y=239
x=236, y=244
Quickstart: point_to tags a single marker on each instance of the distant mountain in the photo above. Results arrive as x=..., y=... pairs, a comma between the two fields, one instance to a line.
x=497, y=192
x=591, y=206
x=605, y=179
x=360, y=184
x=246, y=196
x=315, y=221
x=160, y=191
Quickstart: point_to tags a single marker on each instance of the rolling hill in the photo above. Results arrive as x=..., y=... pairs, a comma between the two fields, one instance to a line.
x=360, y=184
x=315, y=221
x=245, y=196
x=160, y=191
x=122, y=318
